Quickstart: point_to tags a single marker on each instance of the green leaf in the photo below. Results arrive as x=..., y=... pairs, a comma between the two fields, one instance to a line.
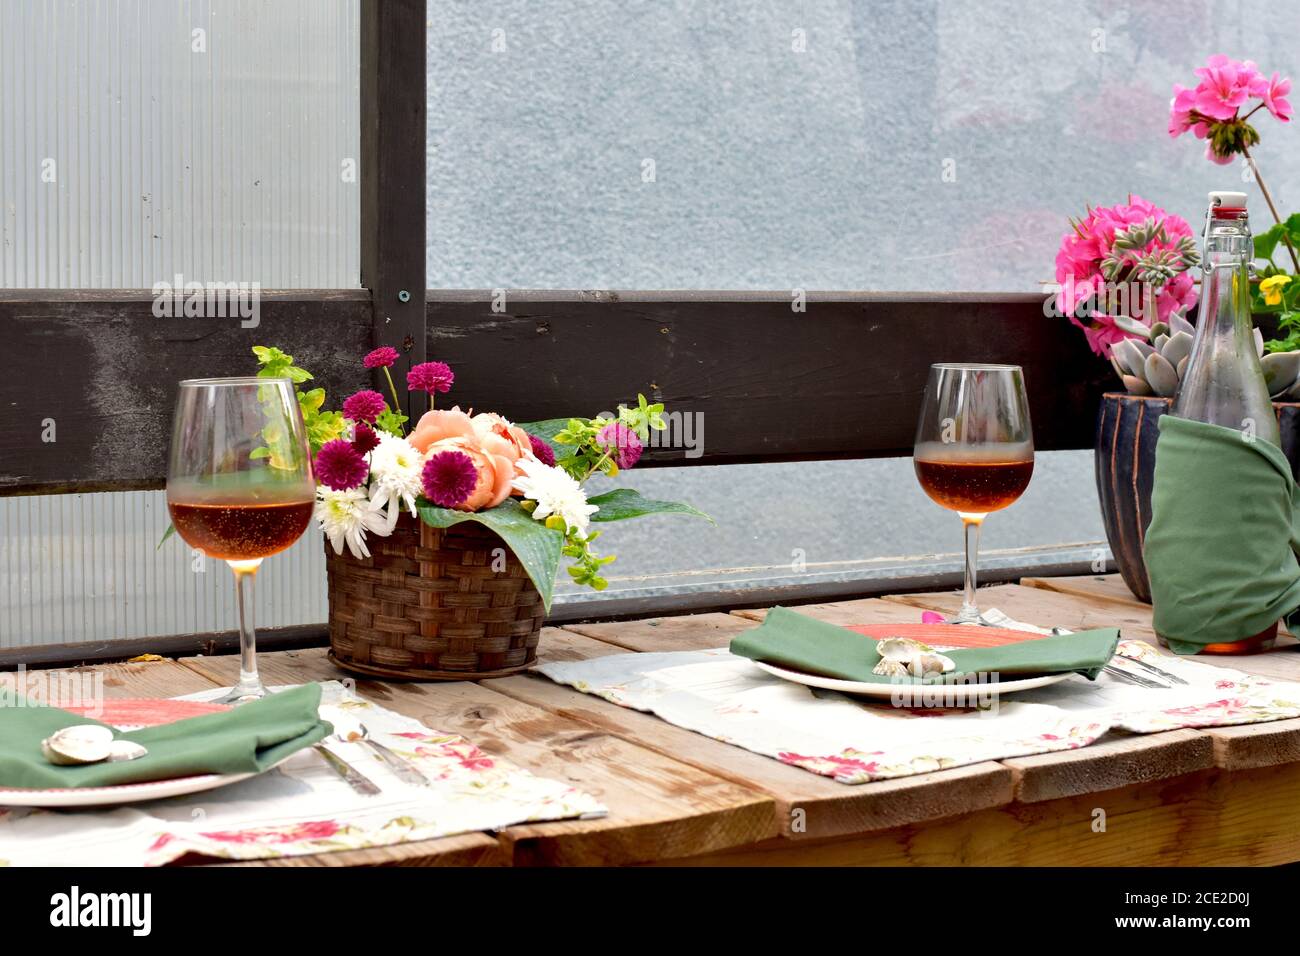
x=547, y=430
x=171, y=530
x=624, y=503
x=1267, y=241
x=537, y=547
x=391, y=421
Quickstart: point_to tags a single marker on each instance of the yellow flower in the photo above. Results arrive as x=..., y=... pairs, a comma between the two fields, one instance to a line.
x=1272, y=289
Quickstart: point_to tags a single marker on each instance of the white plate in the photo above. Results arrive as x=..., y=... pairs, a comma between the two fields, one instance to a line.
x=131, y=714
x=887, y=691
x=122, y=793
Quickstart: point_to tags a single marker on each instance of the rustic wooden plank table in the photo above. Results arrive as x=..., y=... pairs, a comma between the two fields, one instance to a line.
x=1185, y=797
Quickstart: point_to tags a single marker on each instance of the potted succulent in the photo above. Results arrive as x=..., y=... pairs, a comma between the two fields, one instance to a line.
x=1124, y=278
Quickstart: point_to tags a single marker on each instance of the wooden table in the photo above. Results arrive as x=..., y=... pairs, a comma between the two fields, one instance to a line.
x=1185, y=797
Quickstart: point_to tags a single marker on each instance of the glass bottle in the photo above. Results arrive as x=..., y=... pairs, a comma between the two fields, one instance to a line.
x=1224, y=383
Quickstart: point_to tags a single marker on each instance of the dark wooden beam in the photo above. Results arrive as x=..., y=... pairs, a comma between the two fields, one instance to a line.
x=844, y=378
x=393, y=147
x=103, y=369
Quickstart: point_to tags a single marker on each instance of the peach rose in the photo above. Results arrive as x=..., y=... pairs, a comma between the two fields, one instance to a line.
x=495, y=472
x=439, y=424
x=499, y=437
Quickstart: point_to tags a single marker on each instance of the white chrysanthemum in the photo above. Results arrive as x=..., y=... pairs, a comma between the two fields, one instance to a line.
x=346, y=516
x=396, y=467
x=556, y=493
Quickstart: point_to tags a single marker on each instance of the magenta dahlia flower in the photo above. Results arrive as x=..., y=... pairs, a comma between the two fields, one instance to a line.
x=382, y=357
x=542, y=451
x=449, y=478
x=621, y=443
x=365, y=406
x=430, y=377
x=365, y=440
x=339, y=466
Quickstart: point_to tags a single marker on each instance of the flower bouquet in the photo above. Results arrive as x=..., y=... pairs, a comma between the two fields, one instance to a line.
x=444, y=539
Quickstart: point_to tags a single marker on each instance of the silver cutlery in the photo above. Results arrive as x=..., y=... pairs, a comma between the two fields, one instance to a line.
x=1138, y=679
x=404, y=769
x=1174, y=678
x=354, y=778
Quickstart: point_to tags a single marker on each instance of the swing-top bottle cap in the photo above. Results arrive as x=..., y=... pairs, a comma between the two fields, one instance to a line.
x=1227, y=205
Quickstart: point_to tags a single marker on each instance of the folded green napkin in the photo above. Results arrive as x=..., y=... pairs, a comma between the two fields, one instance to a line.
x=1221, y=549
x=245, y=739
x=787, y=639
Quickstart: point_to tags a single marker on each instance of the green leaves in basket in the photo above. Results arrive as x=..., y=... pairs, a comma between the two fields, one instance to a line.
x=547, y=430
x=626, y=503
x=537, y=547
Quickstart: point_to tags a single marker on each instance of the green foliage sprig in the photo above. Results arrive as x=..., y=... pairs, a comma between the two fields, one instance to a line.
x=322, y=426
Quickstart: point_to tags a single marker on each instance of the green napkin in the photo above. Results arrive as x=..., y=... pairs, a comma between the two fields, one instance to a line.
x=1221, y=548
x=787, y=639
x=245, y=739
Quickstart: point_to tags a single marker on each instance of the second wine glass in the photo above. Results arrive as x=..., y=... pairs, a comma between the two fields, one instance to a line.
x=239, y=486
x=974, y=450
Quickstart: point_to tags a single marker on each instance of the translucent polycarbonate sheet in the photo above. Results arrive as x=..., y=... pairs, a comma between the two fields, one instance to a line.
x=217, y=140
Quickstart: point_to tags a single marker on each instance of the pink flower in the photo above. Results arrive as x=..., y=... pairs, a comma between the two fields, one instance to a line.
x=1225, y=85
x=441, y=423
x=1275, y=97
x=365, y=406
x=449, y=478
x=1180, y=111
x=1214, y=157
x=340, y=466
x=314, y=830
x=430, y=377
x=621, y=443
x=1084, y=295
x=382, y=357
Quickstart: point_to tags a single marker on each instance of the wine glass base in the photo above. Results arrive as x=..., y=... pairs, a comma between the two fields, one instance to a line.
x=243, y=694
x=967, y=615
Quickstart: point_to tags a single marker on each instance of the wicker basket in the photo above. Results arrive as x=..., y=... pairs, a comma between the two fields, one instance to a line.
x=428, y=605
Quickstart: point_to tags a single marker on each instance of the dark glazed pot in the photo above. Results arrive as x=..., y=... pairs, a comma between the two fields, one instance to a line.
x=1126, y=462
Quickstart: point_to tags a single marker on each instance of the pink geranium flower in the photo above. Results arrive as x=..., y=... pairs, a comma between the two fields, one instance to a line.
x=1086, y=297
x=1225, y=85
x=1275, y=97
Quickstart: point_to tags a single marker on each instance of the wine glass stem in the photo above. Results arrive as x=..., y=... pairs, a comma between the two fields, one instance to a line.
x=971, y=523
x=250, y=685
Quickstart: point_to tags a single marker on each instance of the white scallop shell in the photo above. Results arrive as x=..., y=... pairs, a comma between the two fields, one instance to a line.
x=81, y=743
x=125, y=750
x=901, y=656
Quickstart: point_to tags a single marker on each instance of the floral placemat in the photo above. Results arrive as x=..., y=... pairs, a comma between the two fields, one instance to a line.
x=302, y=806
x=857, y=740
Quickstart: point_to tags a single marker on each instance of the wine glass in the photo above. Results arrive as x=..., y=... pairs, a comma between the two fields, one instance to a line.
x=239, y=486
x=974, y=450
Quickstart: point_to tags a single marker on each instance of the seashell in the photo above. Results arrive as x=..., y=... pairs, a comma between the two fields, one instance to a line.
x=78, y=744
x=125, y=750
x=901, y=656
